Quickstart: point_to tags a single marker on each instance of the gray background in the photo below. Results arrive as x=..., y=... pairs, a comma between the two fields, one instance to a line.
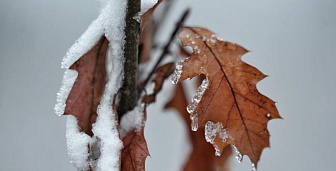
x=291, y=41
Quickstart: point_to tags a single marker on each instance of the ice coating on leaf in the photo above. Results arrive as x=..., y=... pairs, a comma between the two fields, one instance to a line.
x=69, y=79
x=77, y=143
x=194, y=102
x=213, y=130
x=239, y=156
x=132, y=120
x=177, y=73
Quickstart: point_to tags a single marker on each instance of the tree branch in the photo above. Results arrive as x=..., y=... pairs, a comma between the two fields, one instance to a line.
x=129, y=92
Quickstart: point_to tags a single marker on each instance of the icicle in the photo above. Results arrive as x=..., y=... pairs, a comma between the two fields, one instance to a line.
x=194, y=102
x=239, y=156
x=217, y=151
x=177, y=73
x=253, y=167
x=194, y=121
x=212, y=131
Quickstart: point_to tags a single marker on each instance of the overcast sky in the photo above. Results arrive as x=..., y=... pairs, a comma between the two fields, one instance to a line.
x=291, y=41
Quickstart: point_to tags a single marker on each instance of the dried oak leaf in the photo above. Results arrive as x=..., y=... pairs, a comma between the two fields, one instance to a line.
x=88, y=88
x=202, y=155
x=161, y=74
x=135, y=151
x=231, y=98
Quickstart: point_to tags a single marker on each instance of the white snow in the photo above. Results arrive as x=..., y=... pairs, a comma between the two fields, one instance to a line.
x=77, y=143
x=88, y=39
x=111, y=23
x=132, y=120
x=69, y=79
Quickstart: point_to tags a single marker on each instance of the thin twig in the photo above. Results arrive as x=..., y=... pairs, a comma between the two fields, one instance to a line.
x=166, y=48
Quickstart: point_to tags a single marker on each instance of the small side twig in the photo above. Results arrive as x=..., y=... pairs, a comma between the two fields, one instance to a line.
x=166, y=49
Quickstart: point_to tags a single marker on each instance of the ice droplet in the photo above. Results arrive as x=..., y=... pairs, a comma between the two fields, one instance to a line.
x=239, y=156
x=212, y=131
x=138, y=18
x=217, y=151
x=193, y=43
x=212, y=41
x=194, y=121
x=194, y=102
x=268, y=115
x=253, y=167
x=188, y=36
x=177, y=73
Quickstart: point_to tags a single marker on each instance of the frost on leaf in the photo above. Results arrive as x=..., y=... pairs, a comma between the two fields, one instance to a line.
x=202, y=155
x=135, y=151
x=231, y=99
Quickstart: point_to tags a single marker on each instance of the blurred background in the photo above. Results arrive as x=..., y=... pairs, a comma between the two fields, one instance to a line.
x=291, y=41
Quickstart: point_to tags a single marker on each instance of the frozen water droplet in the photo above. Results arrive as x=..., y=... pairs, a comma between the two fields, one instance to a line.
x=188, y=36
x=177, y=73
x=191, y=107
x=268, y=115
x=212, y=41
x=138, y=18
x=213, y=130
x=239, y=156
x=253, y=167
x=204, y=39
x=217, y=151
x=194, y=122
x=197, y=36
x=193, y=43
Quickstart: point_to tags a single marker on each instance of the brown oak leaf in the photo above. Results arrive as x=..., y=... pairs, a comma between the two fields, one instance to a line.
x=135, y=151
x=231, y=99
x=162, y=73
x=88, y=88
x=202, y=155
